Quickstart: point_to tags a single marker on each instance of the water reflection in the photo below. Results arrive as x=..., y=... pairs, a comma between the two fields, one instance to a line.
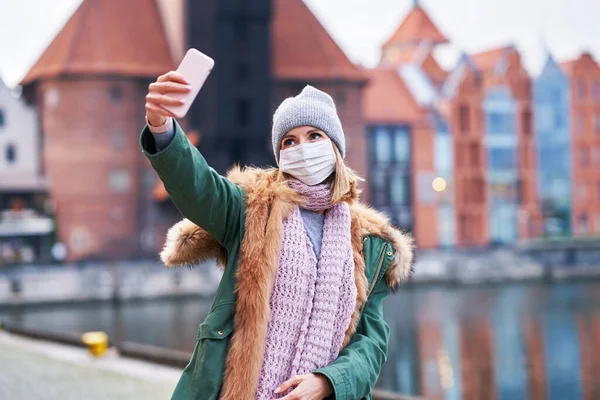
x=525, y=341
x=521, y=341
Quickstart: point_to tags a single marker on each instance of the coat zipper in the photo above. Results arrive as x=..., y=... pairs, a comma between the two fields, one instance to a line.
x=376, y=276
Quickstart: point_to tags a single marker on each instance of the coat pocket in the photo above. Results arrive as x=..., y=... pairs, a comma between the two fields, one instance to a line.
x=218, y=324
x=211, y=350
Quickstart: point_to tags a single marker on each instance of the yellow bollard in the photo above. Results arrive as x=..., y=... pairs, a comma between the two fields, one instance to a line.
x=96, y=342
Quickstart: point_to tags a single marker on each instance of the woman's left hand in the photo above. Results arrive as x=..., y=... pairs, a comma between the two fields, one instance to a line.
x=307, y=387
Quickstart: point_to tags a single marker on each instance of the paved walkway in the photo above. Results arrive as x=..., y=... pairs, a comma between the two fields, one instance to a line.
x=34, y=370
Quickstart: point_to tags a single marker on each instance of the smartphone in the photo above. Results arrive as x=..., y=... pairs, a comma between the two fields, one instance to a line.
x=195, y=67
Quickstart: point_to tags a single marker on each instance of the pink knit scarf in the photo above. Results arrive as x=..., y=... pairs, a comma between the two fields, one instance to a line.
x=312, y=300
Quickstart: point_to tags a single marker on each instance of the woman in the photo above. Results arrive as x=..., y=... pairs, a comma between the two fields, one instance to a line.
x=298, y=312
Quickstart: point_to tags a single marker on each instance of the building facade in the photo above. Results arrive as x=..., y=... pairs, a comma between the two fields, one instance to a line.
x=26, y=223
x=473, y=151
x=89, y=87
x=513, y=204
x=462, y=99
x=584, y=78
x=551, y=99
x=401, y=98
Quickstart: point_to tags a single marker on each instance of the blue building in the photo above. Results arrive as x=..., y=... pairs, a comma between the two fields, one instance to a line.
x=554, y=151
x=502, y=144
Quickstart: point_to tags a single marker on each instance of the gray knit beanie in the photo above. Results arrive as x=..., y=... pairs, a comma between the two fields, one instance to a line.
x=311, y=107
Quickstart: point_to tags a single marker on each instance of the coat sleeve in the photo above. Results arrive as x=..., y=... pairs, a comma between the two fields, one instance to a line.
x=202, y=195
x=356, y=370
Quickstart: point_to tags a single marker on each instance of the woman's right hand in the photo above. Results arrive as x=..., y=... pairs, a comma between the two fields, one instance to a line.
x=171, y=82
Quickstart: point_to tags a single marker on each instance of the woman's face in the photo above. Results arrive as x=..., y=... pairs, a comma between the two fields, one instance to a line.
x=302, y=134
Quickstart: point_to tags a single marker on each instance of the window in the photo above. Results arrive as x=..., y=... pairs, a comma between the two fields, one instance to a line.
x=596, y=157
x=399, y=189
x=401, y=147
x=526, y=122
x=117, y=140
x=524, y=157
x=545, y=118
x=51, y=97
x=11, y=153
x=582, y=192
x=389, y=173
x=382, y=146
x=464, y=119
x=462, y=228
x=596, y=92
x=116, y=94
x=583, y=222
x=243, y=113
x=500, y=123
x=2, y=121
x=479, y=190
x=474, y=155
x=581, y=90
x=583, y=157
x=502, y=159
x=119, y=181
x=580, y=128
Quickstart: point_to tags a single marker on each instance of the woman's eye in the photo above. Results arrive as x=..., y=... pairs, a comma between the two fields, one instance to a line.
x=289, y=142
x=315, y=136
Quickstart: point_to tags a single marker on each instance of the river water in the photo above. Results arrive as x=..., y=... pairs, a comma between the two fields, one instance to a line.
x=513, y=341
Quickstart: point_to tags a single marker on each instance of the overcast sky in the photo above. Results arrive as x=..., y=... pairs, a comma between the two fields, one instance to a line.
x=566, y=27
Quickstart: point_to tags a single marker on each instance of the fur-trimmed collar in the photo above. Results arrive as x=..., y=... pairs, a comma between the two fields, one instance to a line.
x=187, y=244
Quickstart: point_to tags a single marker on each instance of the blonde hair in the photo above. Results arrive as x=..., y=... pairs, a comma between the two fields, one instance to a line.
x=345, y=180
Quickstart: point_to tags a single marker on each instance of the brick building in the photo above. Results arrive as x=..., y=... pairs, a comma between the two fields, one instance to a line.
x=462, y=97
x=404, y=129
x=472, y=158
x=584, y=77
x=89, y=87
x=514, y=209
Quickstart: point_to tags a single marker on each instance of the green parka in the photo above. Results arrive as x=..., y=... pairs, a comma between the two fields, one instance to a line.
x=238, y=220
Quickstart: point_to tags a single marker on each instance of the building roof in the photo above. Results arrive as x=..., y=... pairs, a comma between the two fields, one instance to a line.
x=302, y=48
x=455, y=78
x=489, y=59
x=387, y=99
x=419, y=84
x=568, y=66
x=416, y=27
x=107, y=37
x=585, y=59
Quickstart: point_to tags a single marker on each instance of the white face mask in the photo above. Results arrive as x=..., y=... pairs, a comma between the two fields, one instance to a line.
x=311, y=163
